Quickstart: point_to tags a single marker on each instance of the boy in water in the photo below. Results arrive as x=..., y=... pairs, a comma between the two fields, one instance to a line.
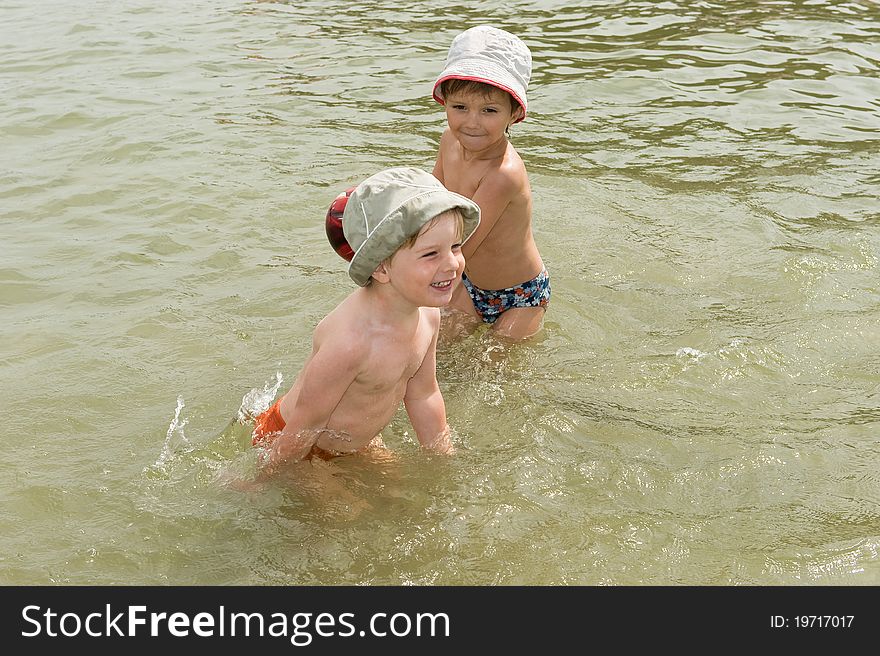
x=483, y=88
x=378, y=347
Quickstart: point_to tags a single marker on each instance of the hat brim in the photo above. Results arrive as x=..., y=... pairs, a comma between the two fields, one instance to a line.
x=393, y=230
x=487, y=72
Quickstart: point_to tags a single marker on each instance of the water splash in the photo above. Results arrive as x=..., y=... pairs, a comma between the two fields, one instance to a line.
x=175, y=427
x=258, y=401
x=734, y=348
x=688, y=352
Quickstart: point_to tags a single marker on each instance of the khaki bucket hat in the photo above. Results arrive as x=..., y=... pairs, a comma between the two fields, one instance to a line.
x=492, y=56
x=388, y=208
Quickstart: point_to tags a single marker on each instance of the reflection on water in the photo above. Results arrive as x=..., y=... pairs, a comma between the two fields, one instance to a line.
x=700, y=408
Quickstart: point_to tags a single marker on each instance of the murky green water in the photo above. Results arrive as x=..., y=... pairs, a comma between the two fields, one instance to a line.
x=702, y=406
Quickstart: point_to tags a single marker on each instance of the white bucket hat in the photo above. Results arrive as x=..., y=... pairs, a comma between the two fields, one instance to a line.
x=391, y=206
x=487, y=54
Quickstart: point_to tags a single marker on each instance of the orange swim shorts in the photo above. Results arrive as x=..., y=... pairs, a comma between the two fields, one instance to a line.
x=268, y=422
x=271, y=422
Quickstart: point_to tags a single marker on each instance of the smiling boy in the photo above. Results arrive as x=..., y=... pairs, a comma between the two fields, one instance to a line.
x=378, y=347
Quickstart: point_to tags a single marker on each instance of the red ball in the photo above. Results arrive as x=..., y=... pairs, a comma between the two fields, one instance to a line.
x=333, y=225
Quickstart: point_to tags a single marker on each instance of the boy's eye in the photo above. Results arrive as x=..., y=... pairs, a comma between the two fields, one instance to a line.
x=429, y=254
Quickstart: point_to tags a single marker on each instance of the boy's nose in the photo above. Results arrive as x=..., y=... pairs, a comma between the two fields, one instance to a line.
x=472, y=119
x=452, y=262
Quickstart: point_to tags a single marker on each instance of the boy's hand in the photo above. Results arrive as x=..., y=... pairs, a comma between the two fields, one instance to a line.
x=288, y=448
x=442, y=443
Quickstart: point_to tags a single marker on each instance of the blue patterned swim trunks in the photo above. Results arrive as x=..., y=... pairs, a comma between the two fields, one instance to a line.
x=492, y=303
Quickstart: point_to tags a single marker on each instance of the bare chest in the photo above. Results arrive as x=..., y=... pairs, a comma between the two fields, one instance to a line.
x=463, y=179
x=390, y=365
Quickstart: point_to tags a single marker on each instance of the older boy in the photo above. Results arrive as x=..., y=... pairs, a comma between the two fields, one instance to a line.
x=484, y=90
x=378, y=347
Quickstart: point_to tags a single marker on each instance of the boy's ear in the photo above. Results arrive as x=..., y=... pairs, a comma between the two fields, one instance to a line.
x=517, y=115
x=381, y=273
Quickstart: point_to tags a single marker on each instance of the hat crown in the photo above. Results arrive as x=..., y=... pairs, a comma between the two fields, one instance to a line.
x=378, y=196
x=492, y=56
x=495, y=45
x=389, y=207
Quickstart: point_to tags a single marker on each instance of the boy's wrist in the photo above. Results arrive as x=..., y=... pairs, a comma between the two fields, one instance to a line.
x=441, y=442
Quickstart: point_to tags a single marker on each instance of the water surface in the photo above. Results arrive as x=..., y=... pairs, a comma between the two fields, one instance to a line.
x=700, y=408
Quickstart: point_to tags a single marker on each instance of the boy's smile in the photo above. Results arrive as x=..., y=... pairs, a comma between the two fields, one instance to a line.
x=426, y=274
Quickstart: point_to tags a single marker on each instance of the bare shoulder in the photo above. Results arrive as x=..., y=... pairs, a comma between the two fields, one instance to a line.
x=431, y=315
x=429, y=332
x=338, y=333
x=513, y=168
x=446, y=138
x=446, y=149
x=509, y=178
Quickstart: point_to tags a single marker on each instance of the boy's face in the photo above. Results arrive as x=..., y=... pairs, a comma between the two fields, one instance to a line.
x=427, y=273
x=478, y=120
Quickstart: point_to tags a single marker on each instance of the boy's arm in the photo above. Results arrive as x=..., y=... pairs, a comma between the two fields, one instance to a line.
x=438, y=165
x=424, y=402
x=494, y=193
x=326, y=376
